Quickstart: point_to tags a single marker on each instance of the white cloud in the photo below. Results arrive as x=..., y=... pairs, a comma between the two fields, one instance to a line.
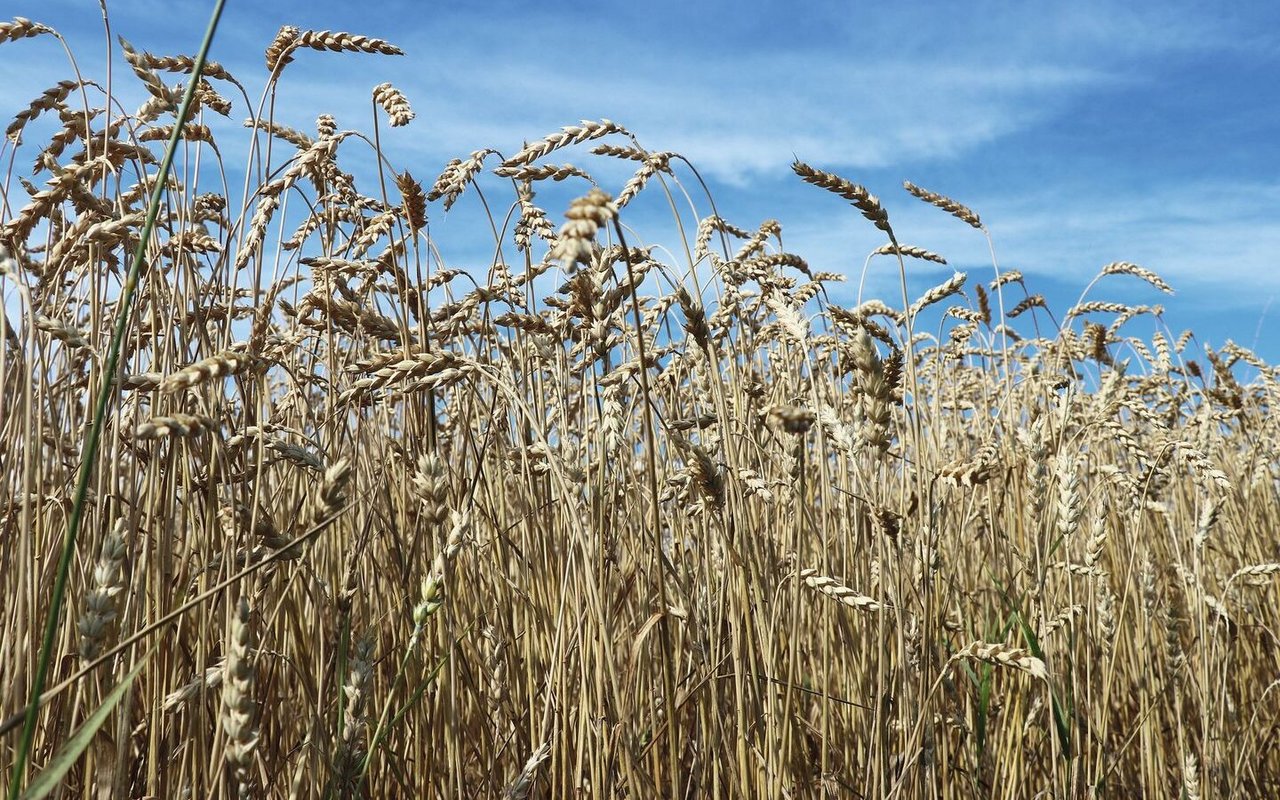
x=1218, y=243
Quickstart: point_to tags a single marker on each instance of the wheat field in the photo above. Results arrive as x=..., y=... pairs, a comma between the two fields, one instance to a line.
x=596, y=518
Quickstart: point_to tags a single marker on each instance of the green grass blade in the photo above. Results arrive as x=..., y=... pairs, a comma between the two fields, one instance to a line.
x=90, y=453
x=70, y=753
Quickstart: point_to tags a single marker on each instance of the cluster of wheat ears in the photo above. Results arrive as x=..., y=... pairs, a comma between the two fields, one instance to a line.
x=580, y=522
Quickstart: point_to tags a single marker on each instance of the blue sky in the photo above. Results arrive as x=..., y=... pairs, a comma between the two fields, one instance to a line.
x=1083, y=132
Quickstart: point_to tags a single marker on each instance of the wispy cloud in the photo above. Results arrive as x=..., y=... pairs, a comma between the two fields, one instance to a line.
x=1218, y=244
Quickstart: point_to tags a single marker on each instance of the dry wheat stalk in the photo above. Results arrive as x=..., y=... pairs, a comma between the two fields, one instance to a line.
x=972, y=472
x=1200, y=465
x=1094, y=307
x=435, y=368
x=178, y=698
x=542, y=172
x=1106, y=612
x=257, y=229
x=984, y=303
x=1070, y=506
x=616, y=151
x=333, y=489
x=457, y=175
x=61, y=186
x=431, y=483
x=875, y=383
x=145, y=381
x=536, y=390
x=1130, y=313
x=372, y=230
x=966, y=314
x=1191, y=777
x=1097, y=539
x=212, y=69
x=788, y=316
x=326, y=126
x=533, y=220
x=709, y=225
x=1007, y=277
x=755, y=243
x=1254, y=571
x=1061, y=620
x=695, y=318
x=878, y=308
x=64, y=332
x=207, y=97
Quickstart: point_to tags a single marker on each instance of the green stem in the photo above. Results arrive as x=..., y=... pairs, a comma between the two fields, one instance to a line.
x=100, y=409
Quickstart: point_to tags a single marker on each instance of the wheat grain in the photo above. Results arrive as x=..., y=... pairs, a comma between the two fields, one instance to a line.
x=394, y=103
x=355, y=691
x=49, y=100
x=1026, y=304
x=957, y=210
x=338, y=41
x=839, y=592
x=182, y=425
x=167, y=97
x=658, y=162
x=283, y=132
x=910, y=251
x=1126, y=268
x=863, y=200
x=221, y=365
x=239, y=709
x=101, y=602
x=586, y=215
x=1003, y=656
x=22, y=28
x=519, y=788
x=938, y=293
x=279, y=52
x=586, y=131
